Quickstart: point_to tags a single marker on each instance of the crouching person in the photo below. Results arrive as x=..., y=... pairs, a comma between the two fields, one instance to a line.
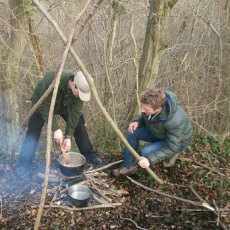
x=163, y=124
x=73, y=91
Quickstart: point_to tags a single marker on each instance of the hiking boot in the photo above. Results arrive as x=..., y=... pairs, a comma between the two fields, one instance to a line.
x=21, y=172
x=124, y=170
x=93, y=159
x=171, y=162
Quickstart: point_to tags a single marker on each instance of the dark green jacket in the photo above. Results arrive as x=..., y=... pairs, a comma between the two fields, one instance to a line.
x=66, y=102
x=173, y=126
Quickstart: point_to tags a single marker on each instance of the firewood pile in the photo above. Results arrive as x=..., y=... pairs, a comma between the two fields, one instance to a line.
x=103, y=195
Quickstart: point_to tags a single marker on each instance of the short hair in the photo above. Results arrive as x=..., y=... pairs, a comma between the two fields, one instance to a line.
x=72, y=77
x=154, y=97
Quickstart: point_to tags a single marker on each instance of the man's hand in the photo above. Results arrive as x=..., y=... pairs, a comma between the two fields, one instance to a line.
x=67, y=144
x=58, y=136
x=133, y=126
x=144, y=162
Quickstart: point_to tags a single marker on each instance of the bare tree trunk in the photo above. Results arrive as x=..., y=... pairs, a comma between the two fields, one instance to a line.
x=36, y=45
x=9, y=76
x=154, y=45
x=109, y=98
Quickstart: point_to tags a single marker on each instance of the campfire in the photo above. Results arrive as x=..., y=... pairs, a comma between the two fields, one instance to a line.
x=101, y=194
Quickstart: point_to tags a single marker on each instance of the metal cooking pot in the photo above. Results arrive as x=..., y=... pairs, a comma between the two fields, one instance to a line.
x=75, y=168
x=79, y=195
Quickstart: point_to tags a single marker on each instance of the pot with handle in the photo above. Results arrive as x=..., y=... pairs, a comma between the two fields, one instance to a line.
x=75, y=168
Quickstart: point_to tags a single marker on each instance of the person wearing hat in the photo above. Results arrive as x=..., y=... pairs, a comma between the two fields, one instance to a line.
x=72, y=92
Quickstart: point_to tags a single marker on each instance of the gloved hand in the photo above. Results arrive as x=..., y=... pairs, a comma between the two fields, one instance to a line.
x=58, y=136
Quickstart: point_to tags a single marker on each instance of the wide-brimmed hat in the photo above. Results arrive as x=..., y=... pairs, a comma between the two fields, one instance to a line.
x=82, y=86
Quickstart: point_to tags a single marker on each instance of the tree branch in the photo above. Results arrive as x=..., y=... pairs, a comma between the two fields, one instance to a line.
x=201, y=204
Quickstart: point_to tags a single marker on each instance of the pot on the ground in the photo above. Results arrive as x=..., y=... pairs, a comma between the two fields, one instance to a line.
x=75, y=168
x=79, y=195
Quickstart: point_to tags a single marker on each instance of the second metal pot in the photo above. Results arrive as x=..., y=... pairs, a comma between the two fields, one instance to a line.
x=79, y=195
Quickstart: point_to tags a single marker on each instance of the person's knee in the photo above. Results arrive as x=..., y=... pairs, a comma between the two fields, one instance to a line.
x=145, y=152
x=151, y=148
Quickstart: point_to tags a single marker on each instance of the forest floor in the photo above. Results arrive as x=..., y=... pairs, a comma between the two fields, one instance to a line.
x=201, y=172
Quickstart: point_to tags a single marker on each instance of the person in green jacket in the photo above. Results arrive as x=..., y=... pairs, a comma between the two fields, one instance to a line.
x=72, y=92
x=162, y=123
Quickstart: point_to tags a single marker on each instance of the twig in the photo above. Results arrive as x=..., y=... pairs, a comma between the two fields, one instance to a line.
x=55, y=194
x=118, y=192
x=133, y=223
x=100, y=183
x=108, y=205
x=202, y=203
x=218, y=213
x=97, y=174
x=99, y=199
x=86, y=20
x=104, y=167
x=173, y=197
x=96, y=188
x=205, y=204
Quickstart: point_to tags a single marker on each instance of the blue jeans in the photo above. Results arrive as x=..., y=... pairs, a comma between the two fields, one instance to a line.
x=145, y=135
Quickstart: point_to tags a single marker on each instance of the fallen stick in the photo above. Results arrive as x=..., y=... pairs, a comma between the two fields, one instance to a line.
x=108, y=205
x=96, y=188
x=55, y=194
x=214, y=211
x=97, y=174
x=102, y=201
x=104, y=167
x=100, y=183
x=134, y=223
x=118, y=192
x=202, y=204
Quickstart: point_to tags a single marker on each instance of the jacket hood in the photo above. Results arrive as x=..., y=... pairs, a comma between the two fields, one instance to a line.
x=170, y=106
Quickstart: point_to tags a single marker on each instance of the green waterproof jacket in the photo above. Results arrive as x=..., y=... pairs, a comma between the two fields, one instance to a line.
x=66, y=102
x=172, y=126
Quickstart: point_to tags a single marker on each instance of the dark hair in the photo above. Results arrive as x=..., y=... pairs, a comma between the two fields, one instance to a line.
x=154, y=97
x=72, y=77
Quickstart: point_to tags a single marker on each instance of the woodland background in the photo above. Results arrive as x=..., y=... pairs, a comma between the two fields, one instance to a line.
x=127, y=46
x=194, y=62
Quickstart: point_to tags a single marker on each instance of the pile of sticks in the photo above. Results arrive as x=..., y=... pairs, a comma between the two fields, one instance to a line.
x=96, y=180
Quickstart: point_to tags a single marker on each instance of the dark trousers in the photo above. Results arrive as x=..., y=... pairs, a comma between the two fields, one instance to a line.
x=33, y=133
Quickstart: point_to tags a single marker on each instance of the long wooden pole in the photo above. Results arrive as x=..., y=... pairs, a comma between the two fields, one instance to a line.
x=49, y=127
x=94, y=91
